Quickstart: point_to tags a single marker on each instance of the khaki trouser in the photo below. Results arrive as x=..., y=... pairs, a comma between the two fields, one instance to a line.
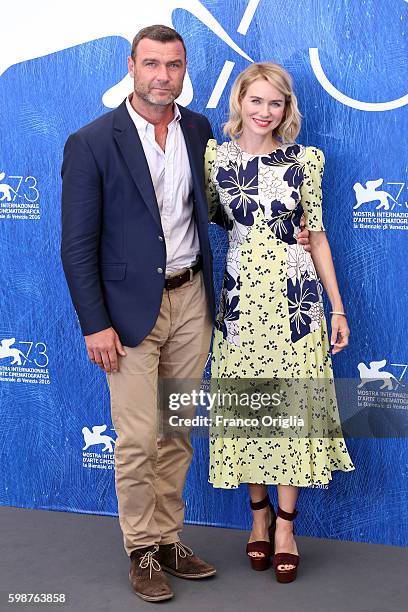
x=150, y=468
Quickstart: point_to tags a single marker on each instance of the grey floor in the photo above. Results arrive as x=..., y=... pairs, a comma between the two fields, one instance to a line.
x=82, y=556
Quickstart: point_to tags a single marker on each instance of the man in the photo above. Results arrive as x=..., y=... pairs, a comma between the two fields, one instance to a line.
x=137, y=259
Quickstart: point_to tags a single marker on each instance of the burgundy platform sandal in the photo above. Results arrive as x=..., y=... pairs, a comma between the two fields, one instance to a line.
x=286, y=575
x=261, y=546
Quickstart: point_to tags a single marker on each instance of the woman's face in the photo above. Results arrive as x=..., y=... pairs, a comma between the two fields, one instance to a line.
x=262, y=108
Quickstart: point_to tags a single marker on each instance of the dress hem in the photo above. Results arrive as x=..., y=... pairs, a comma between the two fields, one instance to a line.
x=307, y=484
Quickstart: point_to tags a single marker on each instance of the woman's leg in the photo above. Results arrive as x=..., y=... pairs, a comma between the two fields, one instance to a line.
x=261, y=519
x=284, y=540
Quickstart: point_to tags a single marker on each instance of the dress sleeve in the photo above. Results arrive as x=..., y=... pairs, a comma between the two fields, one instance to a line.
x=210, y=189
x=311, y=189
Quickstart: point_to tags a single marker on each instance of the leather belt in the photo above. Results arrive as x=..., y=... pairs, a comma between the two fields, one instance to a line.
x=177, y=281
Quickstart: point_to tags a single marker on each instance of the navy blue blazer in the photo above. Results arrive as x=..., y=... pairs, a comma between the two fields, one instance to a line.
x=113, y=245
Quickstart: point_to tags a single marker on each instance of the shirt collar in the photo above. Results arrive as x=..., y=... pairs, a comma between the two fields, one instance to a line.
x=141, y=123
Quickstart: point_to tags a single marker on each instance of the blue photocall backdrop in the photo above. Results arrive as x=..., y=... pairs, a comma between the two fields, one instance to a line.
x=63, y=67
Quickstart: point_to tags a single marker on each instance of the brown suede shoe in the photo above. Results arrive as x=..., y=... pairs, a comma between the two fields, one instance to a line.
x=146, y=576
x=179, y=560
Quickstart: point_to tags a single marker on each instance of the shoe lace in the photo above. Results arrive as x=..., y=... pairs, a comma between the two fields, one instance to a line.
x=148, y=561
x=182, y=551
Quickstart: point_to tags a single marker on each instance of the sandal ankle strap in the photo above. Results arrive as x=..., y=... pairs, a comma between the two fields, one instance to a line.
x=261, y=504
x=288, y=516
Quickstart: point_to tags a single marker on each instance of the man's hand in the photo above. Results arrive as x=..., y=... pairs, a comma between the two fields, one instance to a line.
x=103, y=349
x=303, y=236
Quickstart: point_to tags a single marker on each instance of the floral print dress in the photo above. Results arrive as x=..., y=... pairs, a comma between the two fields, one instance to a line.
x=271, y=323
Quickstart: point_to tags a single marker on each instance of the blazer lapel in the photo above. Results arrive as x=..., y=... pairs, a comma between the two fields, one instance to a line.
x=128, y=140
x=190, y=133
x=189, y=129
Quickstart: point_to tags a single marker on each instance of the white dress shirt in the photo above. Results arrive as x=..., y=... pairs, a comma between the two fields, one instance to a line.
x=173, y=185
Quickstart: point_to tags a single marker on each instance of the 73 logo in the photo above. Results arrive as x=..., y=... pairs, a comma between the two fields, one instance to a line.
x=17, y=186
x=30, y=352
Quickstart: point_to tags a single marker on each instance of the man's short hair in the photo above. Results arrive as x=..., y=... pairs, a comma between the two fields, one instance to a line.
x=158, y=32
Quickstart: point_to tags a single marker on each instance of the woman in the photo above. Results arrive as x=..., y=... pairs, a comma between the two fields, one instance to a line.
x=271, y=324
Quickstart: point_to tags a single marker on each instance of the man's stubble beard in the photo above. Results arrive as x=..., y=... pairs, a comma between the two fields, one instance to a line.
x=151, y=99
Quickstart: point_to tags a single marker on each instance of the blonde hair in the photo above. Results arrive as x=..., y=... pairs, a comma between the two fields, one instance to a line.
x=277, y=76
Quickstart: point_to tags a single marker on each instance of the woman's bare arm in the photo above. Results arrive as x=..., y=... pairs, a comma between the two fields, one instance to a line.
x=323, y=261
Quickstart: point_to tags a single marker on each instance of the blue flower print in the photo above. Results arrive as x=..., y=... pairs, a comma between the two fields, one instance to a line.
x=238, y=282
x=294, y=173
x=230, y=313
x=227, y=312
x=301, y=297
x=229, y=281
x=284, y=221
x=241, y=183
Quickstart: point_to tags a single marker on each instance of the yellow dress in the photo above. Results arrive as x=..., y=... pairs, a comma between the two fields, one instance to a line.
x=270, y=330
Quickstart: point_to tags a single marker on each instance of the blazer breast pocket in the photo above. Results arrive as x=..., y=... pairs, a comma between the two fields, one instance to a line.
x=113, y=271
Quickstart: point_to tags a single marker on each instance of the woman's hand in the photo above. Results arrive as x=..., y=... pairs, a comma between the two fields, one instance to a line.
x=340, y=333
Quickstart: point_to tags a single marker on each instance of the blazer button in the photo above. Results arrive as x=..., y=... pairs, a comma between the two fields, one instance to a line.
x=160, y=270
x=161, y=238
